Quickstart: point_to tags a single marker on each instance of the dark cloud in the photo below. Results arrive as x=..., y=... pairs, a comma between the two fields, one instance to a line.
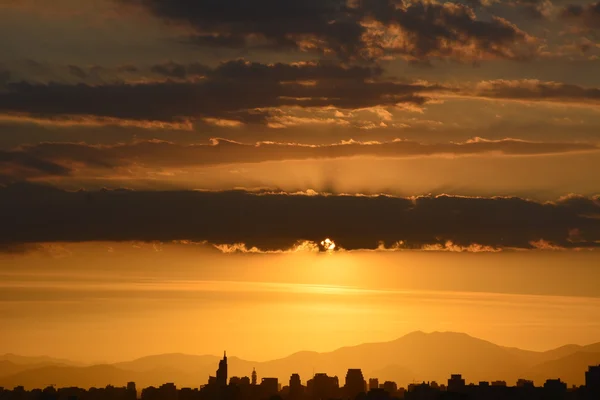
x=128, y=68
x=535, y=90
x=170, y=69
x=448, y=30
x=277, y=72
x=537, y=9
x=361, y=30
x=160, y=154
x=15, y=166
x=268, y=221
x=218, y=41
x=282, y=23
x=231, y=90
x=534, y=9
x=181, y=71
x=77, y=71
x=239, y=91
x=583, y=15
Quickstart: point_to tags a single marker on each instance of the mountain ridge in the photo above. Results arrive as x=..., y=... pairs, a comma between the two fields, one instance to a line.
x=415, y=356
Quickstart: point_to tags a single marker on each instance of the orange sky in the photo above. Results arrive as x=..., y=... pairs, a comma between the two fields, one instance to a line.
x=99, y=302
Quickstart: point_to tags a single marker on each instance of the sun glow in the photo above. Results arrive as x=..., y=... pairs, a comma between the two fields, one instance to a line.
x=328, y=245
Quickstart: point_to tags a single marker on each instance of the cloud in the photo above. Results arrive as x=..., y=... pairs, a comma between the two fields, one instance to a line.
x=536, y=90
x=233, y=91
x=424, y=30
x=535, y=9
x=77, y=71
x=58, y=158
x=276, y=72
x=587, y=15
x=16, y=166
x=174, y=70
x=269, y=23
x=358, y=30
x=279, y=221
x=241, y=92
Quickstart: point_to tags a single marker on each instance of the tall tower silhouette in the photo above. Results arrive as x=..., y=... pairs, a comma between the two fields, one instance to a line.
x=254, y=376
x=222, y=371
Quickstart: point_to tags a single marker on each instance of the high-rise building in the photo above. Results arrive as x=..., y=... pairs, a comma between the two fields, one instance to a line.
x=295, y=387
x=373, y=383
x=254, y=376
x=555, y=387
x=235, y=381
x=269, y=387
x=390, y=387
x=456, y=383
x=525, y=383
x=323, y=387
x=131, y=391
x=222, y=371
x=355, y=384
x=592, y=380
x=167, y=391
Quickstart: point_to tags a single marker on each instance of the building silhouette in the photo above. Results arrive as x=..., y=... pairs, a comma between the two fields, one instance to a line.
x=222, y=371
x=524, y=383
x=355, y=384
x=269, y=387
x=373, y=384
x=296, y=390
x=131, y=391
x=592, y=382
x=456, y=383
x=323, y=387
x=391, y=387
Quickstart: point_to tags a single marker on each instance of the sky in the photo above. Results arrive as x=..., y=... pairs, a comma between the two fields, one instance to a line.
x=175, y=167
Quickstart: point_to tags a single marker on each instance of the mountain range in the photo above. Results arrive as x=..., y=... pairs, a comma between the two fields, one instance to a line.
x=415, y=357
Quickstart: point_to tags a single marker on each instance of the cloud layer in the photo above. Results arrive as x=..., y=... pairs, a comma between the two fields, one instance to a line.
x=352, y=30
x=60, y=159
x=275, y=221
x=234, y=93
x=237, y=90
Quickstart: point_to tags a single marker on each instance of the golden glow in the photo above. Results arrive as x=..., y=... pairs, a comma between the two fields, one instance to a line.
x=328, y=244
x=295, y=295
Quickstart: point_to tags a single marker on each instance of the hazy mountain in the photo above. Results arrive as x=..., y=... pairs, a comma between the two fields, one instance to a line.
x=11, y=364
x=26, y=360
x=10, y=368
x=64, y=376
x=415, y=357
x=533, y=358
x=570, y=368
x=184, y=362
x=592, y=348
x=431, y=356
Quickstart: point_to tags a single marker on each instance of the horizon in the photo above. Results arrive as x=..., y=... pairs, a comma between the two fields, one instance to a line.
x=114, y=294
x=101, y=362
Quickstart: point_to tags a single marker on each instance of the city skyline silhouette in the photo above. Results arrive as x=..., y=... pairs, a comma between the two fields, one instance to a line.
x=415, y=357
x=322, y=387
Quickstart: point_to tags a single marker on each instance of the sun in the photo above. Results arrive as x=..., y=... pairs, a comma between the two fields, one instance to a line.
x=328, y=245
